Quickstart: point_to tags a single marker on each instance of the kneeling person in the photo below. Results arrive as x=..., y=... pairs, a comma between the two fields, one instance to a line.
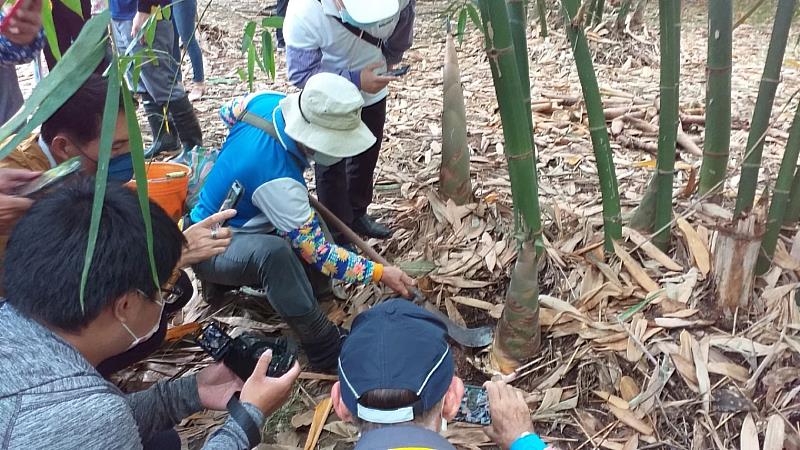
x=51, y=395
x=271, y=141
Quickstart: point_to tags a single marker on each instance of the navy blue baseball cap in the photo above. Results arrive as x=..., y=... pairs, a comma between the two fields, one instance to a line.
x=395, y=345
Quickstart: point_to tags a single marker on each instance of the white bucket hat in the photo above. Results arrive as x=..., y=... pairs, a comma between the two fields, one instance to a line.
x=326, y=117
x=371, y=11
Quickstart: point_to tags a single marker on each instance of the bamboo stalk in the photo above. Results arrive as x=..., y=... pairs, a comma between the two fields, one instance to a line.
x=597, y=13
x=780, y=196
x=716, y=148
x=517, y=21
x=669, y=15
x=541, y=6
x=520, y=321
x=622, y=14
x=793, y=209
x=766, y=96
x=519, y=146
x=612, y=218
x=454, y=181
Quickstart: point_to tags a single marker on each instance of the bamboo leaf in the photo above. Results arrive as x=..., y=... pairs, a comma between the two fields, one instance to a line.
x=110, y=114
x=462, y=24
x=251, y=66
x=166, y=11
x=272, y=22
x=268, y=54
x=54, y=89
x=140, y=174
x=473, y=15
x=50, y=29
x=73, y=5
x=249, y=35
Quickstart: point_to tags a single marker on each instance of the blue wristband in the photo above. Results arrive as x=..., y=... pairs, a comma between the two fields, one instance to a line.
x=529, y=442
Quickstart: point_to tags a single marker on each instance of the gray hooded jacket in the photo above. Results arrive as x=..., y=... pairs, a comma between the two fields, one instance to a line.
x=52, y=398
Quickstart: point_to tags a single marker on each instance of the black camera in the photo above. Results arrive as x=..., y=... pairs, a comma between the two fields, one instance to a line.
x=241, y=353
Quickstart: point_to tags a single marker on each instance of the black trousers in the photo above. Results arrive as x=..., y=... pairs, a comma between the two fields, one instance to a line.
x=68, y=26
x=346, y=187
x=280, y=11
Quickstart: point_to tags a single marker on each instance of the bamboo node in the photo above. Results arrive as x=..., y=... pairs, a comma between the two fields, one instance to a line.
x=528, y=154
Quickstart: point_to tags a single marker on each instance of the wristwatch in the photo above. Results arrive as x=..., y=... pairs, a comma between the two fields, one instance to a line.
x=240, y=415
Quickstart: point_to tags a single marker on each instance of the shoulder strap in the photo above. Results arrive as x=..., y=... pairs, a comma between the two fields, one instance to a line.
x=361, y=34
x=260, y=123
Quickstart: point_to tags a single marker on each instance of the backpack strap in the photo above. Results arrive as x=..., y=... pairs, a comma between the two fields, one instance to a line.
x=260, y=123
x=361, y=34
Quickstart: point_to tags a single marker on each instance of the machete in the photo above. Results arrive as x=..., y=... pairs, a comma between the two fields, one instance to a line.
x=468, y=337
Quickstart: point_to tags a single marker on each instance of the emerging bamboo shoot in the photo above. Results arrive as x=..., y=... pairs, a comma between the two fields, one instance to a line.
x=454, y=181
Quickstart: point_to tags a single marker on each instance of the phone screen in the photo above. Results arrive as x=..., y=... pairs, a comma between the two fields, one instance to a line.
x=51, y=177
x=398, y=72
x=474, y=406
x=232, y=198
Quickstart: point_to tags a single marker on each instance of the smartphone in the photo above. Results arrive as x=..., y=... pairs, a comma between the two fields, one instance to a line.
x=232, y=199
x=474, y=406
x=51, y=177
x=398, y=72
x=6, y=23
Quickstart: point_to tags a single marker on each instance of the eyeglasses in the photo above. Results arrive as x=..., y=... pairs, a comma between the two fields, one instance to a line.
x=165, y=295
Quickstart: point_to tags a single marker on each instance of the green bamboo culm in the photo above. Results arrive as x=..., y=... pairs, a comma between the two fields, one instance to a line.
x=541, y=6
x=517, y=339
x=716, y=147
x=597, y=12
x=793, y=208
x=669, y=17
x=766, y=96
x=517, y=21
x=519, y=146
x=780, y=196
x=612, y=218
x=622, y=14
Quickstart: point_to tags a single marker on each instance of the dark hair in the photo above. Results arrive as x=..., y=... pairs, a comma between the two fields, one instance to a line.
x=46, y=250
x=392, y=399
x=81, y=116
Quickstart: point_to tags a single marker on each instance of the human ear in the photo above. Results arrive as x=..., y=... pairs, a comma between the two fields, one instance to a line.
x=124, y=308
x=59, y=148
x=338, y=403
x=452, y=398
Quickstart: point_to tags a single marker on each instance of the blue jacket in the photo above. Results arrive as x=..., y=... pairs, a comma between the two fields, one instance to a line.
x=275, y=193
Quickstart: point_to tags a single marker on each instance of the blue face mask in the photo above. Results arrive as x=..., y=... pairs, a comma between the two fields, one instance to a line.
x=120, y=168
x=347, y=18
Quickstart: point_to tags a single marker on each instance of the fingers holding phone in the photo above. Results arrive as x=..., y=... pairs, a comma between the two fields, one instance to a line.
x=23, y=22
x=371, y=82
x=206, y=238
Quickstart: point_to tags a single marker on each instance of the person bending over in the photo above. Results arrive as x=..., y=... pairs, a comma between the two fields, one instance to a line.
x=272, y=138
x=397, y=385
x=53, y=337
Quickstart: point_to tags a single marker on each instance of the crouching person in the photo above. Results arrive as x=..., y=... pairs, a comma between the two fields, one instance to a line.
x=397, y=384
x=51, y=395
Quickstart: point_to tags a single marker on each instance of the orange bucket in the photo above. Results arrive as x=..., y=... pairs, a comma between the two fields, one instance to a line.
x=167, y=186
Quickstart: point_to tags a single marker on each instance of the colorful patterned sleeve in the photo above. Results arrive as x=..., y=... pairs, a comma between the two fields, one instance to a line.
x=233, y=109
x=329, y=258
x=13, y=54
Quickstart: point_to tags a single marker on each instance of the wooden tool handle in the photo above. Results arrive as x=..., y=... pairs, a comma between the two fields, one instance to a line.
x=336, y=223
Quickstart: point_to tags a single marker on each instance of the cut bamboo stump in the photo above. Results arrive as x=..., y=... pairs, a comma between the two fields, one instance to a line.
x=735, y=255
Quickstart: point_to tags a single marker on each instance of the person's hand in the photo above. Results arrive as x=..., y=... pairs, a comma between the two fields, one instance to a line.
x=398, y=280
x=265, y=393
x=13, y=179
x=203, y=242
x=216, y=384
x=510, y=414
x=372, y=83
x=138, y=23
x=26, y=23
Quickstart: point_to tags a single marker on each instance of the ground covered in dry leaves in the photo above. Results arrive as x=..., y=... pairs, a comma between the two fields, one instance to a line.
x=631, y=358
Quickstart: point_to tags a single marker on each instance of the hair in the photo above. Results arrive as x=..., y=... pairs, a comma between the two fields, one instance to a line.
x=81, y=116
x=45, y=254
x=393, y=399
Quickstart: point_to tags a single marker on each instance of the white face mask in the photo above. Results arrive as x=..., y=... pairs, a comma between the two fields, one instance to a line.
x=444, y=421
x=139, y=340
